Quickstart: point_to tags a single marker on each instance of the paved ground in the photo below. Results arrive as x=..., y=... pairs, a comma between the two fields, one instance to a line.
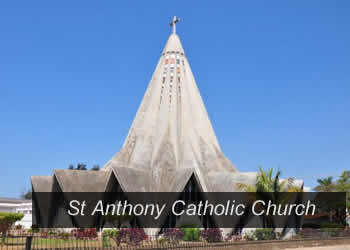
x=339, y=247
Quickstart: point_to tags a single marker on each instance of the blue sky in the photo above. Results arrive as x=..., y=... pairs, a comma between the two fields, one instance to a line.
x=274, y=76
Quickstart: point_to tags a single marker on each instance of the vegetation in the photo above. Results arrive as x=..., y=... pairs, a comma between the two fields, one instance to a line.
x=117, y=220
x=111, y=234
x=342, y=184
x=329, y=185
x=267, y=182
x=268, y=187
x=132, y=236
x=264, y=234
x=261, y=234
x=191, y=233
x=212, y=235
x=7, y=220
x=174, y=234
x=81, y=233
x=27, y=195
x=80, y=166
x=95, y=168
x=34, y=228
x=325, y=185
x=83, y=166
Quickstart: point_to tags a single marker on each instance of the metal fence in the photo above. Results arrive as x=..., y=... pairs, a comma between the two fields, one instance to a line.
x=39, y=241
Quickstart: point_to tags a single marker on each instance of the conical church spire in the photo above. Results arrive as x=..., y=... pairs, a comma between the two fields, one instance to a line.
x=171, y=130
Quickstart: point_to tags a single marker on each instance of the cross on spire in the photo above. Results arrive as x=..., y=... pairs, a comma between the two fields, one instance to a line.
x=173, y=23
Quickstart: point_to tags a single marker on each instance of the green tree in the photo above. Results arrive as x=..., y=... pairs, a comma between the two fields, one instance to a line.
x=96, y=168
x=27, y=195
x=7, y=220
x=268, y=182
x=80, y=166
x=343, y=185
x=343, y=182
x=325, y=185
x=268, y=187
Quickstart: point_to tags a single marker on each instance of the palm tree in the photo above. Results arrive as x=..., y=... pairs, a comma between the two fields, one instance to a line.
x=344, y=177
x=325, y=185
x=266, y=182
x=343, y=183
x=268, y=187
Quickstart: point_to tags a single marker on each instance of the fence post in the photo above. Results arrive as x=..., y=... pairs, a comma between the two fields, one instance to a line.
x=29, y=242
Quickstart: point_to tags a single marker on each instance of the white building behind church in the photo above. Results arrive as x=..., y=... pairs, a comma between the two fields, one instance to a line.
x=13, y=205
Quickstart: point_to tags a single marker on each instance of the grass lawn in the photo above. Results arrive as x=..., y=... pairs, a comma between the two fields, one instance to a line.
x=37, y=243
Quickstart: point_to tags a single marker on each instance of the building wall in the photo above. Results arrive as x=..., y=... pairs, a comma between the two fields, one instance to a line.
x=18, y=206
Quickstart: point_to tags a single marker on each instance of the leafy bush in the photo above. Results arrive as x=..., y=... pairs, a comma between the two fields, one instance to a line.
x=89, y=233
x=35, y=228
x=111, y=233
x=106, y=241
x=191, y=234
x=264, y=234
x=132, y=236
x=211, y=235
x=250, y=236
x=331, y=225
x=174, y=234
x=52, y=233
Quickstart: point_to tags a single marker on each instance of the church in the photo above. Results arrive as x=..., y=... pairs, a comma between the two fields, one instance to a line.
x=171, y=145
